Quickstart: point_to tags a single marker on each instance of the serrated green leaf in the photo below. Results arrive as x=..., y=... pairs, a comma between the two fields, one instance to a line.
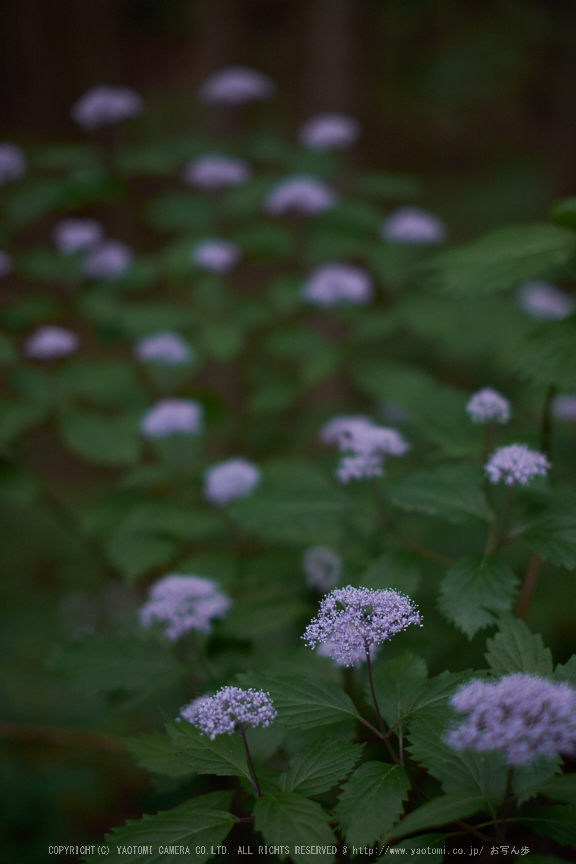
x=101, y=439
x=158, y=754
x=371, y=802
x=195, y=826
x=561, y=787
x=472, y=587
x=414, y=850
x=528, y=778
x=466, y=770
x=319, y=766
x=515, y=649
x=502, y=259
x=443, y=811
x=398, y=683
x=567, y=671
x=401, y=571
x=450, y=492
x=290, y=820
x=110, y=663
x=552, y=535
x=304, y=703
x=558, y=822
x=225, y=755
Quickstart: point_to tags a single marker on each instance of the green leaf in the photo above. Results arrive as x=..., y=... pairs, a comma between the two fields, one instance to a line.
x=392, y=187
x=553, y=534
x=295, y=504
x=102, y=382
x=414, y=850
x=472, y=587
x=458, y=771
x=401, y=571
x=561, y=787
x=195, y=825
x=515, y=649
x=101, y=439
x=557, y=822
x=371, y=802
x=398, y=684
x=111, y=663
x=528, y=778
x=451, y=492
x=547, y=355
x=180, y=211
x=567, y=671
x=503, y=258
x=157, y=754
x=134, y=553
x=289, y=820
x=443, y=811
x=320, y=766
x=224, y=755
x=564, y=213
x=304, y=703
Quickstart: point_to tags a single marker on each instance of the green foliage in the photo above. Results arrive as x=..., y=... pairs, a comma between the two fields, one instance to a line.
x=304, y=703
x=195, y=825
x=287, y=819
x=371, y=802
x=449, y=491
x=224, y=755
x=102, y=439
x=319, y=767
x=414, y=850
x=552, y=535
x=557, y=822
x=443, y=811
x=515, y=649
x=502, y=259
x=474, y=587
x=158, y=754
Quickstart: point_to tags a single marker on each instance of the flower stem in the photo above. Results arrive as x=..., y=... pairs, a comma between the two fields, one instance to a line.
x=501, y=825
x=530, y=580
x=377, y=709
x=242, y=732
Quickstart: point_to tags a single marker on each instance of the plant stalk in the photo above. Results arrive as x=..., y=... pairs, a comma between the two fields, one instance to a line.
x=242, y=732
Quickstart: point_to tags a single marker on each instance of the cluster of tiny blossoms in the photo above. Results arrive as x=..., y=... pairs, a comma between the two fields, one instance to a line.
x=235, y=478
x=413, y=226
x=12, y=162
x=335, y=283
x=214, y=172
x=525, y=717
x=103, y=105
x=237, y=85
x=544, y=301
x=184, y=603
x=216, y=255
x=166, y=347
x=516, y=463
x=51, y=343
x=350, y=620
x=77, y=235
x=228, y=709
x=367, y=443
x=172, y=417
x=329, y=132
x=488, y=406
x=108, y=260
x=300, y=194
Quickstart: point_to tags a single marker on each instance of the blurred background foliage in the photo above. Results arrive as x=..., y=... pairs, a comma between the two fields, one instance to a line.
x=468, y=109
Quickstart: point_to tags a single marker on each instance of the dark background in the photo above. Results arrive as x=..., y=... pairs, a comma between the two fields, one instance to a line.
x=477, y=95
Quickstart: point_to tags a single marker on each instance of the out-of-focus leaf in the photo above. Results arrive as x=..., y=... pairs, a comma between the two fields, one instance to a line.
x=101, y=439
x=181, y=211
x=552, y=535
x=102, y=382
x=472, y=587
x=450, y=492
x=557, y=822
x=548, y=354
x=502, y=259
x=157, y=754
x=413, y=853
x=398, y=570
x=390, y=187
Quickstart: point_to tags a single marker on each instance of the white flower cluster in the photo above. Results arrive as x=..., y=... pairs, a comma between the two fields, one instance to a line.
x=235, y=478
x=104, y=105
x=214, y=172
x=237, y=85
x=322, y=567
x=516, y=463
x=6, y=264
x=488, y=406
x=300, y=195
x=166, y=348
x=216, y=255
x=367, y=443
x=184, y=603
x=329, y=132
x=333, y=284
x=172, y=417
x=12, y=162
x=413, y=226
x=229, y=709
x=51, y=343
x=544, y=301
x=77, y=235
